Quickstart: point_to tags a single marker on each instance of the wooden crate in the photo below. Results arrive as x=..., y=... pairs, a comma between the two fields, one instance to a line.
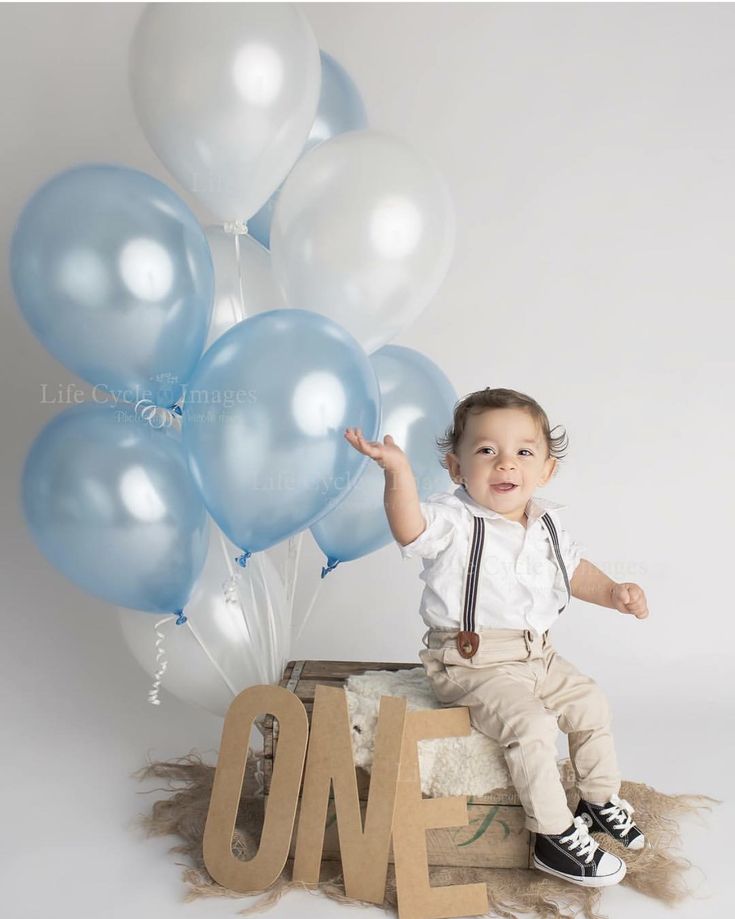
x=495, y=836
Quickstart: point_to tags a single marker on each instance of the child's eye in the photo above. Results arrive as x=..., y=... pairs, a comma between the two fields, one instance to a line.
x=523, y=450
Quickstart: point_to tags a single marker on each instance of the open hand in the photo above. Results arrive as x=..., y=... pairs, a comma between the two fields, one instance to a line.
x=629, y=598
x=388, y=455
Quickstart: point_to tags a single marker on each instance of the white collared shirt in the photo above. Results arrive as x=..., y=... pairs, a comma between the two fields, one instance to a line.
x=520, y=583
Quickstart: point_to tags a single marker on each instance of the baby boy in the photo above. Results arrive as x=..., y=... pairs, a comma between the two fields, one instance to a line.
x=499, y=568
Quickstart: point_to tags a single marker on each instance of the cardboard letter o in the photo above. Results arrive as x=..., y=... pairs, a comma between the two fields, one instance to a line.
x=266, y=865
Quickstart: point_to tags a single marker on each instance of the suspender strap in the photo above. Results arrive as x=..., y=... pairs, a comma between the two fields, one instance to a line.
x=551, y=529
x=468, y=639
x=473, y=574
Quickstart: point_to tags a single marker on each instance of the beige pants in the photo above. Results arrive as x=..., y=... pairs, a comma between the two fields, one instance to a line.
x=519, y=691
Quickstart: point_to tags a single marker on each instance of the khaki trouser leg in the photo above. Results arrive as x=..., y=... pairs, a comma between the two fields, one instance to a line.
x=515, y=688
x=584, y=715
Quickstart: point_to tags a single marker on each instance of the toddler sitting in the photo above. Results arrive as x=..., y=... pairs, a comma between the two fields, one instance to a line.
x=499, y=567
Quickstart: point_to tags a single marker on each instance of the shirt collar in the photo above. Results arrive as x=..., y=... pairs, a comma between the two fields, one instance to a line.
x=535, y=507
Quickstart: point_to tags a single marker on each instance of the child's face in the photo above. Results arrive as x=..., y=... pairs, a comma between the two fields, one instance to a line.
x=493, y=449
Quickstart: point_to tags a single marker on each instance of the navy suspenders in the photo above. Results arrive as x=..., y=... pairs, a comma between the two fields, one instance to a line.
x=468, y=639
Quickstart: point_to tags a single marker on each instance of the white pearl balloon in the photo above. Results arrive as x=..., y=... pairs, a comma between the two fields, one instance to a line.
x=363, y=232
x=239, y=290
x=237, y=633
x=226, y=94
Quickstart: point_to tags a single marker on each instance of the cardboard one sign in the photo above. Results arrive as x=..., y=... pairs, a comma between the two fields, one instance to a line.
x=395, y=807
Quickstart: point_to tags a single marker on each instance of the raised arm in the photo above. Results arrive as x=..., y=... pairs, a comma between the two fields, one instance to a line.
x=401, y=497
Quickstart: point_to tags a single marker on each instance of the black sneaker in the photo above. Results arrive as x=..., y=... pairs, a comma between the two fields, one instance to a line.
x=613, y=818
x=576, y=857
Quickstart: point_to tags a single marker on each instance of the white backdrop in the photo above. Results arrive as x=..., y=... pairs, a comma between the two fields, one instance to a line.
x=589, y=150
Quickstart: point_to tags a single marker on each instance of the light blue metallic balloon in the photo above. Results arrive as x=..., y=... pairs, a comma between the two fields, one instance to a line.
x=264, y=419
x=340, y=109
x=113, y=274
x=110, y=502
x=417, y=406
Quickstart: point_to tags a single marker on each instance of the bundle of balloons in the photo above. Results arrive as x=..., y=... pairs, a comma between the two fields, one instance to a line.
x=227, y=361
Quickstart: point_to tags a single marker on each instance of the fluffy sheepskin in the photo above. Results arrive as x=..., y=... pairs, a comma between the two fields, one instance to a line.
x=472, y=765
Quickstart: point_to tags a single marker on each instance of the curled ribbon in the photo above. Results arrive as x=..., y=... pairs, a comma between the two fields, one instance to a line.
x=152, y=413
x=161, y=662
x=230, y=589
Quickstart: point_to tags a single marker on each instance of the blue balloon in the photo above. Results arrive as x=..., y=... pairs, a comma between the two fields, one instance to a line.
x=340, y=109
x=264, y=419
x=113, y=274
x=110, y=502
x=417, y=406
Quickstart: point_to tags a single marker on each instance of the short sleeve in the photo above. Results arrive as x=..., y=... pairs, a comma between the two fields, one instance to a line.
x=571, y=552
x=441, y=522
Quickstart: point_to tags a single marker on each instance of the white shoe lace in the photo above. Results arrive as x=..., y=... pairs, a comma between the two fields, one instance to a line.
x=619, y=813
x=581, y=837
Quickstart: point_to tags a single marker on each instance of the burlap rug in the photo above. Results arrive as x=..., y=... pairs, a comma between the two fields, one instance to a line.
x=658, y=871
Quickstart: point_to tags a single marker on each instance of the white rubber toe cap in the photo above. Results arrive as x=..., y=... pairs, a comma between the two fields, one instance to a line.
x=611, y=867
x=638, y=843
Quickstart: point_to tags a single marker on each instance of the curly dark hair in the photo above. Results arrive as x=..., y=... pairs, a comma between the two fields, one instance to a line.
x=483, y=399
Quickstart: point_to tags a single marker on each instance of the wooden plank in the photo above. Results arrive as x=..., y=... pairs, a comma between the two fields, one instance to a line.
x=342, y=669
x=305, y=689
x=294, y=676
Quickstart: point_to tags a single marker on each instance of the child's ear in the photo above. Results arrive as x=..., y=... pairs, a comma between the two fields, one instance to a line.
x=453, y=467
x=551, y=466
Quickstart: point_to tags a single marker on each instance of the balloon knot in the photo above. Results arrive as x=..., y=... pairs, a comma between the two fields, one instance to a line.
x=242, y=560
x=181, y=617
x=153, y=414
x=238, y=227
x=332, y=564
x=177, y=410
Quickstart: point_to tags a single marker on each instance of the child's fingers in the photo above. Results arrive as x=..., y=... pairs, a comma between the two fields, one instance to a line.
x=631, y=599
x=638, y=605
x=370, y=448
x=639, y=610
x=354, y=434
